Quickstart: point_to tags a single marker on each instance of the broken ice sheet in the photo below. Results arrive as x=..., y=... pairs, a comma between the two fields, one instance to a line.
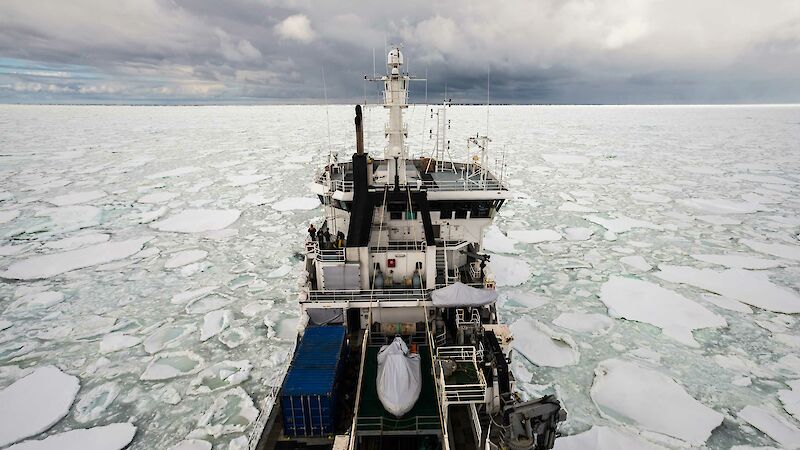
x=232, y=412
x=642, y=301
x=35, y=402
x=543, y=346
x=629, y=393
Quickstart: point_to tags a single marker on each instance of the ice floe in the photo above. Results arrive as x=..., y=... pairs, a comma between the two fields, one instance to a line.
x=93, y=404
x=584, y=323
x=296, y=203
x=787, y=251
x=167, y=336
x=198, y=220
x=35, y=403
x=791, y=398
x=78, y=241
x=34, y=300
x=772, y=424
x=578, y=233
x=496, y=242
x=534, y=236
x=208, y=303
x=9, y=215
x=185, y=257
x=76, y=198
x=509, y=271
x=188, y=296
x=642, y=301
x=69, y=218
x=157, y=197
x=113, y=342
x=604, y=438
x=629, y=393
x=171, y=365
x=180, y=171
x=220, y=376
x=45, y=266
x=543, y=346
x=115, y=436
x=726, y=303
x=636, y=262
x=722, y=206
x=243, y=180
x=738, y=261
x=574, y=207
x=566, y=159
x=650, y=197
x=214, y=323
x=232, y=412
x=192, y=444
x=753, y=288
x=621, y=224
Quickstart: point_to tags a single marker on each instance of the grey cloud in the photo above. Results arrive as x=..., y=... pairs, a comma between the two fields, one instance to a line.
x=543, y=51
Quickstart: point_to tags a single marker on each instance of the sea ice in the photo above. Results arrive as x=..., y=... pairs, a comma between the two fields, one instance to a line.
x=753, y=288
x=584, y=323
x=43, y=299
x=180, y=171
x=232, y=412
x=78, y=241
x=627, y=392
x=8, y=216
x=636, y=262
x=113, y=342
x=197, y=220
x=188, y=296
x=604, y=438
x=166, y=336
x=773, y=425
x=722, y=206
x=528, y=299
x=45, y=266
x=566, y=159
x=76, y=198
x=496, y=242
x=94, y=403
x=574, y=207
x=543, y=346
x=109, y=437
x=157, y=197
x=234, y=337
x=578, y=233
x=70, y=218
x=220, y=376
x=738, y=261
x=185, y=257
x=192, y=444
x=534, y=236
x=280, y=271
x=787, y=251
x=208, y=303
x=35, y=403
x=243, y=180
x=171, y=365
x=791, y=399
x=509, y=271
x=621, y=224
x=642, y=301
x=296, y=203
x=650, y=197
x=214, y=323
x=726, y=303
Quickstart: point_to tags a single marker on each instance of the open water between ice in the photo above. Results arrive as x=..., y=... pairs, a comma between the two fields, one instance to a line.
x=649, y=265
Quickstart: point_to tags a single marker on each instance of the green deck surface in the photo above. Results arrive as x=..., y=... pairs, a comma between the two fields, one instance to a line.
x=423, y=416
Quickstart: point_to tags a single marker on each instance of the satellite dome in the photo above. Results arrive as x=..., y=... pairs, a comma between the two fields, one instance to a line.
x=395, y=57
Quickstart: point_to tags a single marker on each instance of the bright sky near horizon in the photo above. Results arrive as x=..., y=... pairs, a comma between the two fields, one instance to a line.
x=273, y=51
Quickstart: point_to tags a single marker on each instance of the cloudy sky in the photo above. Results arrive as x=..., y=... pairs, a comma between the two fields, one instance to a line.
x=274, y=51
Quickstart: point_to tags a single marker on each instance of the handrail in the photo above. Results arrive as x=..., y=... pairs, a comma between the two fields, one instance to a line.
x=267, y=406
x=430, y=185
x=353, y=428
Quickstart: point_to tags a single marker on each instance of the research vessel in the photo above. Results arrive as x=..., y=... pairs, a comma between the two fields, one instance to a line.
x=400, y=344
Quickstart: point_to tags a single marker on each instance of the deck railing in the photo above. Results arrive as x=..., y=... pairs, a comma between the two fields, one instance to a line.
x=460, y=393
x=367, y=295
x=416, y=424
x=428, y=185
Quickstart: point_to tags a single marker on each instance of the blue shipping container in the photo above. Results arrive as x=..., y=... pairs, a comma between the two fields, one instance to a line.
x=308, y=397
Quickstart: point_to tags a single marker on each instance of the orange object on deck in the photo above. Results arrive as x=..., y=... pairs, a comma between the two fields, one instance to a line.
x=413, y=348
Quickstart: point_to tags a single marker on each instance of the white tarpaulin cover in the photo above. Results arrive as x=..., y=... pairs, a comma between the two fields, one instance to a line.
x=399, y=378
x=459, y=294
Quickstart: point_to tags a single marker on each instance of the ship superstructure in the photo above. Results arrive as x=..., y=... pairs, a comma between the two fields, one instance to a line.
x=398, y=262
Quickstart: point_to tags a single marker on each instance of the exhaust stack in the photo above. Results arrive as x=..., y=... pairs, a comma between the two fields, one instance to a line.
x=359, y=132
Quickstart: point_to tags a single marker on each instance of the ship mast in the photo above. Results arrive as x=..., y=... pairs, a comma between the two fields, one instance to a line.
x=395, y=98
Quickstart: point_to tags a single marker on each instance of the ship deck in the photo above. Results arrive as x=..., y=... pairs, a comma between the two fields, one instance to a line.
x=373, y=419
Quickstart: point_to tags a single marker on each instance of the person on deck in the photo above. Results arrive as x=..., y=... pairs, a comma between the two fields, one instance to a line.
x=312, y=232
x=320, y=238
x=327, y=235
